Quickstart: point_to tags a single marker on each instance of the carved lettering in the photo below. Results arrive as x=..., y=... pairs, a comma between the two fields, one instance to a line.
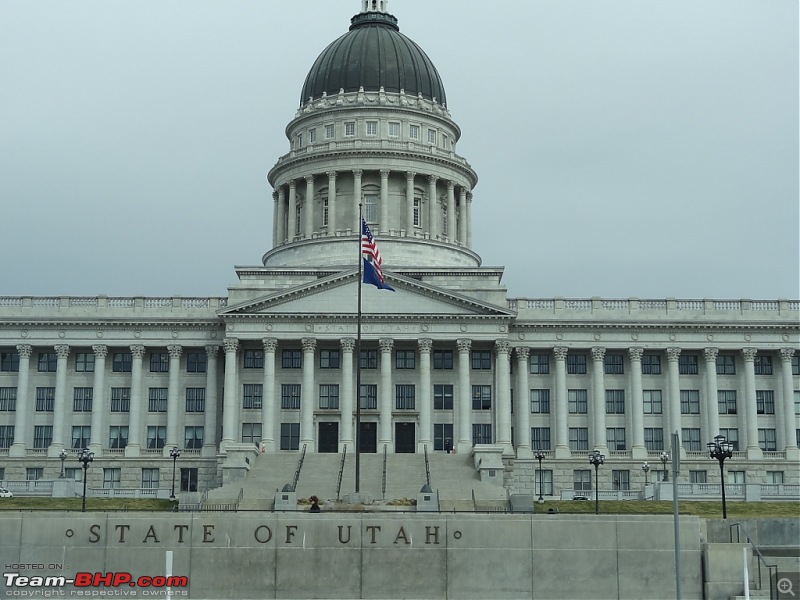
x=373, y=529
x=401, y=535
x=431, y=532
x=94, y=532
x=180, y=529
x=151, y=533
x=122, y=529
x=207, y=531
x=290, y=529
x=263, y=534
x=340, y=534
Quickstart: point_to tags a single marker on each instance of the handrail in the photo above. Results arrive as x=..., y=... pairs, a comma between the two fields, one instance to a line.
x=427, y=466
x=383, y=479
x=299, y=467
x=239, y=499
x=761, y=558
x=341, y=472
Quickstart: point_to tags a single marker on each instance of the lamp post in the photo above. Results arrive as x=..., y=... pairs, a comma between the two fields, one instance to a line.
x=596, y=459
x=85, y=457
x=174, y=454
x=646, y=469
x=540, y=457
x=664, y=461
x=63, y=456
x=721, y=449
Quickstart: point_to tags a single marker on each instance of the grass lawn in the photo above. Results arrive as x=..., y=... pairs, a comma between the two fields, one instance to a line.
x=104, y=504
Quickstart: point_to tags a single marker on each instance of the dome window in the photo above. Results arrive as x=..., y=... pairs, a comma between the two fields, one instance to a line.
x=312, y=136
x=372, y=128
x=349, y=129
x=413, y=132
x=432, y=136
x=329, y=131
x=394, y=129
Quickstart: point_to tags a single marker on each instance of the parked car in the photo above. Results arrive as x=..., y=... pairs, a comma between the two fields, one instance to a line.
x=4, y=493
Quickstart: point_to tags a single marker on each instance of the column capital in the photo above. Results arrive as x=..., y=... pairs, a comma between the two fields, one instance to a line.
x=749, y=354
x=137, y=351
x=356, y=173
x=787, y=354
x=502, y=347
x=384, y=173
x=523, y=352
x=24, y=350
x=348, y=344
x=386, y=344
x=275, y=195
x=309, y=178
x=175, y=350
x=673, y=354
x=410, y=175
x=309, y=344
x=451, y=185
x=598, y=353
x=432, y=179
x=561, y=352
x=62, y=350
x=710, y=354
x=231, y=344
x=100, y=350
x=464, y=345
x=292, y=184
x=469, y=196
x=270, y=344
x=211, y=350
x=425, y=345
x=635, y=353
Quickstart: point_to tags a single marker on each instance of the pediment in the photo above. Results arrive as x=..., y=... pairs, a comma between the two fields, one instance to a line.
x=337, y=295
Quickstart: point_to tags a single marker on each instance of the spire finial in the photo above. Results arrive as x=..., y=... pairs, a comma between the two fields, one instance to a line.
x=374, y=6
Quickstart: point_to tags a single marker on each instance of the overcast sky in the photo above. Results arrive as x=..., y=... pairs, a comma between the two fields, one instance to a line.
x=624, y=148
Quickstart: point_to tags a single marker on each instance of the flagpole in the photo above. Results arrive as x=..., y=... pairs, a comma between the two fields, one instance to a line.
x=358, y=361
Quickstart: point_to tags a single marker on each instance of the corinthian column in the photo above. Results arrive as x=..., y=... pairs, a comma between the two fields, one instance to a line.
x=638, y=451
x=425, y=404
x=433, y=213
x=410, y=203
x=751, y=412
x=347, y=396
x=599, y=400
x=98, y=399
x=712, y=402
x=385, y=412
x=309, y=207
x=357, y=173
x=674, y=410
x=562, y=439
x=464, y=398
x=468, y=241
x=275, y=216
x=451, y=212
x=522, y=403
x=384, y=227
x=133, y=448
x=230, y=409
x=269, y=402
x=290, y=235
x=462, y=217
x=61, y=418
x=173, y=399
x=18, y=449
x=789, y=419
x=307, y=396
x=210, y=423
x=502, y=350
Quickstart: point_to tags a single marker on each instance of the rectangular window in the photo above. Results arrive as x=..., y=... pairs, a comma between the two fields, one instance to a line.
x=156, y=436
x=369, y=359
x=775, y=477
x=312, y=135
x=81, y=434
x=481, y=360
x=290, y=396
x=582, y=480
x=615, y=438
x=544, y=478
x=576, y=364
x=325, y=209
x=150, y=479
x=120, y=399
x=371, y=208
x=651, y=364
x=797, y=402
x=299, y=140
x=82, y=399
x=48, y=362
x=159, y=362
x=404, y=397
x=368, y=397
x=726, y=364
x=251, y=433
x=42, y=436
x=481, y=397
x=290, y=436
x=795, y=364
x=372, y=128
x=732, y=435
x=121, y=362
x=620, y=480
x=690, y=402
x=34, y=473
x=578, y=438
x=652, y=402
x=613, y=364
x=8, y=399
x=329, y=396
x=328, y=359
x=577, y=402
x=765, y=402
x=413, y=132
x=726, y=399
x=189, y=480
x=118, y=436
x=540, y=401
x=540, y=438
x=329, y=131
x=195, y=400
x=253, y=359
x=432, y=136
x=687, y=364
x=766, y=440
x=349, y=129
x=394, y=129
x=615, y=402
x=654, y=439
x=481, y=433
x=443, y=436
x=84, y=362
x=698, y=477
x=112, y=478
x=442, y=359
x=405, y=359
x=9, y=362
x=193, y=437
x=196, y=362
x=45, y=399
x=443, y=397
x=291, y=358
x=690, y=436
x=157, y=400
x=417, y=211
x=6, y=436
x=763, y=365
x=252, y=394
x=539, y=364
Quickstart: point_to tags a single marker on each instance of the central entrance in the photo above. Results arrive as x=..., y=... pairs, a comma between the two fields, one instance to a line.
x=368, y=437
x=328, y=436
x=404, y=438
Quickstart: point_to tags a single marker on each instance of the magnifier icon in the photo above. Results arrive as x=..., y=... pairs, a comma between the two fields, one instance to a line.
x=785, y=586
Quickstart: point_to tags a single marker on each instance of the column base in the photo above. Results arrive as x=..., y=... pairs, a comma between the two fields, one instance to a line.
x=133, y=451
x=54, y=450
x=564, y=452
x=754, y=453
x=793, y=453
x=208, y=451
x=223, y=445
x=97, y=449
x=639, y=453
x=524, y=452
x=388, y=444
x=350, y=445
x=464, y=447
x=310, y=446
x=17, y=450
x=421, y=447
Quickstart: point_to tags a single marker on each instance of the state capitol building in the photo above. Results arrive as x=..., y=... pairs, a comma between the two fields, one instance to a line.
x=450, y=361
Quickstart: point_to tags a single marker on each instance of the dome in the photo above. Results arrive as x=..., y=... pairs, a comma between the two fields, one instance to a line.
x=373, y=54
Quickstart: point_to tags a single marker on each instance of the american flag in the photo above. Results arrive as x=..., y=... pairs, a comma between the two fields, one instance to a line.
x=370, y=249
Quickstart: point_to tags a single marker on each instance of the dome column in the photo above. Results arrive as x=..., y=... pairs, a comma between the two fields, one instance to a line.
x=280, y=219
x=462, y=216
x=275, y=218
x=410, y=203
x=384, y=228
x=451, y=212
x=357, y=173
x=292, y=211
x=331, y=201
x=433, y=202
x=309, y=206
x=468, y=226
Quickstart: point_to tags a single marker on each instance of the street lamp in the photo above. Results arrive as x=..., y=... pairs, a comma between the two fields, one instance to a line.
x=646, y=469
x=540, y=457
x=721, y=449
x=63, y=456
x=85, y=457
x=174, y=454
x=596, y=459
x=664, y=461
